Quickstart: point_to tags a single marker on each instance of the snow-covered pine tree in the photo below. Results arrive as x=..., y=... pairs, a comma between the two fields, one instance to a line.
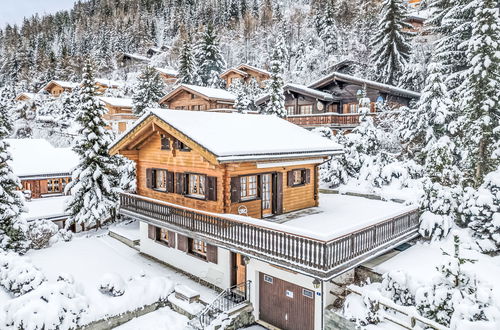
x=276, y=103
x=12, y=226
x=187, y=63
x=95, y=181
x=479, y=103
x=210, y=61
x=69, y=108
x=327, y=28
x=245, y=92
x=24, y=113
x=148, y=91
x=391, y=47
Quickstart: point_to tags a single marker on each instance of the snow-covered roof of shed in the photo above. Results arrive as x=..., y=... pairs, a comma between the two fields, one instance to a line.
x=208, y=92
x=108, y=82
x=233, y=137
x=168, y=71
x=360, y=81
x=36, y=157
x=117, y=101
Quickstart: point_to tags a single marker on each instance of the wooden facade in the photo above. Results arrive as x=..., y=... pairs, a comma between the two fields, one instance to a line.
x=168, y=75
x=120, y=115
x=245, y=73
x=45, y=187
x=56, y=87
x=187, y=97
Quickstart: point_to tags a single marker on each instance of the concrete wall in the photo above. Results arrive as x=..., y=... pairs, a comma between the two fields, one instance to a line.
x=188, y=263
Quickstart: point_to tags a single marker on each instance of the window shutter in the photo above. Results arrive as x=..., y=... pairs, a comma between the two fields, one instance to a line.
x=290, y=178
x=211, y=191
x=212, y=253
x=180, y=185
x=307, y=176
x=170, y=182
x=235, y=189
x=149, y=178
x=279, y=193
x=151, y=232
x=182, y=242
x=171, y=239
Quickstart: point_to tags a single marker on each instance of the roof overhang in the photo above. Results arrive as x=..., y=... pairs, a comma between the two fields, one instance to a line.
x=182, y=88
x=241, y=73
x=241, y=67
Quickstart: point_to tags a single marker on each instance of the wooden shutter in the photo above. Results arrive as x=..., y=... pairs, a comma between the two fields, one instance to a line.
x=182, y=242
x=171, y=239
x=235, y=189
x=170, y=182
x=290, y=178
x=151, y=232
x=212, y=253
x=149, y=178
x=279, y=193
x=180, y=184
x=211, y=189
x=306, y=174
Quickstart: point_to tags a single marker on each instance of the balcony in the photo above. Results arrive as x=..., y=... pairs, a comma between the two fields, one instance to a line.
x=332, y=119
x=294, y=249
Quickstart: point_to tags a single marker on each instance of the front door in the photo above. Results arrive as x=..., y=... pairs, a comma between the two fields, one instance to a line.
x=239, y=274
x=267, y=195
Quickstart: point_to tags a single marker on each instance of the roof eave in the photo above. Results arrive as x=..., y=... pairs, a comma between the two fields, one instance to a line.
x=265, y=157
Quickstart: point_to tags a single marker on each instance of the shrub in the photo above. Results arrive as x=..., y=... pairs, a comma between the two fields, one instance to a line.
x=40, y=232
x=112, y=284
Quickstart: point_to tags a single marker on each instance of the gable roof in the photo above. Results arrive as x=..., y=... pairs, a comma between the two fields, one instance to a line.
x=337, y=76
x=242, y=73
x=37, y=157
x=168, y=71
x=232, y=137
x=61, y=83
x=27, y=94
x=254, y=68
x=120, y=102
x=301, y=89
x=205, y=92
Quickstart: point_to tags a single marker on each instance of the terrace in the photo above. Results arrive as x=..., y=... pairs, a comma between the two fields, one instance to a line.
x=323, y=242
x=331, y=119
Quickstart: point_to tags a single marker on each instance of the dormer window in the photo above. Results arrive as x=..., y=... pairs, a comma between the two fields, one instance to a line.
x=165, y=142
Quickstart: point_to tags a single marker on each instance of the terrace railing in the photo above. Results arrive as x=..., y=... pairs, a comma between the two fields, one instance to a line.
x=304, y=254
x=327, y=119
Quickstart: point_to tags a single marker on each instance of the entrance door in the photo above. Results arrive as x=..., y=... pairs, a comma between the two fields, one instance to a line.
x=284, y=304
x=239, y=268
x=267, y=195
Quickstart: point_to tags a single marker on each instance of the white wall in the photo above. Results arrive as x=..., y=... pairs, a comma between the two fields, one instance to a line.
x=185, y=261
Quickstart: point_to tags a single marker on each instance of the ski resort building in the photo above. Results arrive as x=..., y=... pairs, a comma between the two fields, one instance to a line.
x=198, y=98
x=119, y=115
x=56, y=87
x=332, y=101
x=245, y=73
x=221, y=198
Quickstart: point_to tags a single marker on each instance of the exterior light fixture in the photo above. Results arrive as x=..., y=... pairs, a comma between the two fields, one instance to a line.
x=316, y=283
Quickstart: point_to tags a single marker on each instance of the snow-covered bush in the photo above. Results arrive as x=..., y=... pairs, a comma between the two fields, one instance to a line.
x=112, y=284
x=17, y=275
x=395, y=285
x=434, y=226
x=65, y=277
x=373, y=314
x=40, y=232
x=52, y=306
x=65, y=234
x=323, y=131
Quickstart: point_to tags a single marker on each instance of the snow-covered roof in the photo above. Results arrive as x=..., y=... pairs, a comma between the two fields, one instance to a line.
x=108, y=82
x=254, y=68
x=51, y=208
x=235, y=137
x=207, y=92
x=28, y=95
x=360, y=81
x=302, y=89
x=62, y=83
x=168, y=71
x=243, y=73
x=37, y=157
x=135, y=57
x=119, y=102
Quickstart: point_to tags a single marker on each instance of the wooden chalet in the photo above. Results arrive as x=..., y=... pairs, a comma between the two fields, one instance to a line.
x=245, y=73
x=152, y=51
x=120, y=115
x=25, y=96
x=103, y=85
x=168, y=75
x=219, y=197
x=131, y=61
x=332, y=101
x=56, y=87
x=198, y=98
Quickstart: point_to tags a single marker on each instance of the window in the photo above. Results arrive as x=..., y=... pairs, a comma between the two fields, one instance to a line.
x=53, y=185
x=306, y=109
x=160, y=180
x=194, y=96
x=353, y=108
x=165, y=143
x=196, y=185
x=198, y=248
x=268, y=279
x=162, y=235
x=64, y=182
x=290, y=110
x=181, y=146
x=248, y=187
x=307, y=293
x=180, y=108
x=199, y=107
x=298, y=177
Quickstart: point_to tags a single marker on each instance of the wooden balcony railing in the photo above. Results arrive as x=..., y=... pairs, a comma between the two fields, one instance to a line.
x=304, y=254
x=327, y=119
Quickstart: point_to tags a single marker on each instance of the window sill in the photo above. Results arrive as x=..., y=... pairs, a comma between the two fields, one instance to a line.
x=298, y=185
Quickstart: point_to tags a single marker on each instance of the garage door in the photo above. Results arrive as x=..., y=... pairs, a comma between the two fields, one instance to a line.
x=285, y=305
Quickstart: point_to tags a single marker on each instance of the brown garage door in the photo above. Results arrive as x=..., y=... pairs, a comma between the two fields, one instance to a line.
x=285, y=305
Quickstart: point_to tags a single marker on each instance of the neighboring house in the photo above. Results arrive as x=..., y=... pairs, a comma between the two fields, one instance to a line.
x=233, y=200
x=191, y=97
x=245, y=73
x=332, y=101
x=168, y=75
x=104, y=84
x=119, y=115
x=128, y=60
x=57, y=87
x=156, y=50
x=25, y=96
x=44, y=172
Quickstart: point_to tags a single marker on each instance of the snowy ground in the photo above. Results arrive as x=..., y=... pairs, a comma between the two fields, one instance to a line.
x=128, y=229
x=162, y=319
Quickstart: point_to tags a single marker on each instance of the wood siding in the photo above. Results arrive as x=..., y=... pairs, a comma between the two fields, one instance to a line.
x=40, y=187
x=184, y=100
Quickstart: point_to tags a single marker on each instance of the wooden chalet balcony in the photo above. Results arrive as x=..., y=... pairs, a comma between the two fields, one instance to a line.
x=322, y=259
x=327, y=119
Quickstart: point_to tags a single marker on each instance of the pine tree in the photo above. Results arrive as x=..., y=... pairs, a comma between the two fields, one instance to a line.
x=246, y=94
x=210, y=61
x=479, y=105
x=276, y=103
x=187, y=64
x=95, y=181
x=148, y=91
x=391, y=47
x=327, y=29
x=12, y=226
